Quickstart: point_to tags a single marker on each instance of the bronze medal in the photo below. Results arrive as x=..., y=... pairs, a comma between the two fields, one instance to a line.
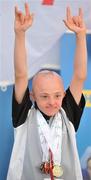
x=45, y=167
x=57, y=171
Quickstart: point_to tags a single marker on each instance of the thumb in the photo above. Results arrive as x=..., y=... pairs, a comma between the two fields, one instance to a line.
x=65, y=22
x=67, y=25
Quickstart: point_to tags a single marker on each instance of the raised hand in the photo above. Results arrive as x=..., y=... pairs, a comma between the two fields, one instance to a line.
x=75, y=23
x=23, y=21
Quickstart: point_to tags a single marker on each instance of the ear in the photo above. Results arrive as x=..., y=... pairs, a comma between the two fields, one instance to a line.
x=32, y=97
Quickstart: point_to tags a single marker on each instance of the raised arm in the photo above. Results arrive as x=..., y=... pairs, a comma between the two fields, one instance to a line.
x=22, y=23
x=77, y=25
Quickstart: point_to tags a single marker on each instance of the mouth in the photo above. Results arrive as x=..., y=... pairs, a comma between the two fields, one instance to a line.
x=52, y=109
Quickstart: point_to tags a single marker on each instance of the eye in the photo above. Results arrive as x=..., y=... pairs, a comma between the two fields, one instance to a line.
x=58, y=95
x=44, y=96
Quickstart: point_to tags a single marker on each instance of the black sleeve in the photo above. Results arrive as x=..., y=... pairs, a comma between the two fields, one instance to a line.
x=20, y=111
x=72, y=109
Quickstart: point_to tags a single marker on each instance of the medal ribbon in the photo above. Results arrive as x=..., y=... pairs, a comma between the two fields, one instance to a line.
x=51, y=164
x=48, y=134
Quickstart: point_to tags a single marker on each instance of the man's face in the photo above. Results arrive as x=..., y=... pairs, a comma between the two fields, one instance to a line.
x=48, y=93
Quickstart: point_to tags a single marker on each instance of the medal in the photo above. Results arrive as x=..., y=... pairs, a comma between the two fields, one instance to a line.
x=45, y=167
x=57, y=171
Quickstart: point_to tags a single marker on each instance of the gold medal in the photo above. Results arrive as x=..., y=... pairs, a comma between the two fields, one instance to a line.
x=57, y=171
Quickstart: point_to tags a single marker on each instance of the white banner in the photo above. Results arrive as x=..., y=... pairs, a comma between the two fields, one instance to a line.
x=42, y=39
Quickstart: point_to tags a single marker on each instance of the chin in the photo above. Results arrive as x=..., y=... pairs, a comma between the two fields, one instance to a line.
x=51, y=114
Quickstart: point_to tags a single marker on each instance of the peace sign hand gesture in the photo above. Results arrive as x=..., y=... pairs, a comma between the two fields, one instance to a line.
x=75, y=23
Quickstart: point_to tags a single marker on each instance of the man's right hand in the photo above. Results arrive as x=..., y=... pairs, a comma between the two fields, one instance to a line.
x=23, y=21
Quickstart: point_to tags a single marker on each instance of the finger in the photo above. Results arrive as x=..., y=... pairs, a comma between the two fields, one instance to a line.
x=22, y=18
x=29, y=19
x=68, y=13
x=17, y=12
x=76, y=20
x=32, y=16
x=27, y=9
x=81, y=13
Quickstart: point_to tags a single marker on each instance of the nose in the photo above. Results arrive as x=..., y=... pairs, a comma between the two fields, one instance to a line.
x=51, y=101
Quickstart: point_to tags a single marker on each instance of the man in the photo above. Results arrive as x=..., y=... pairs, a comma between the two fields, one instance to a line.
x=45, y=146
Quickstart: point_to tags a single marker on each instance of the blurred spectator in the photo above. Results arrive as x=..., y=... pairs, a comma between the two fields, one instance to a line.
x=87, y=171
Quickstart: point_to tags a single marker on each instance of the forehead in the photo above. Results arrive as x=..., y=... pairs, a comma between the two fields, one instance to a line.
x=47, y=81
